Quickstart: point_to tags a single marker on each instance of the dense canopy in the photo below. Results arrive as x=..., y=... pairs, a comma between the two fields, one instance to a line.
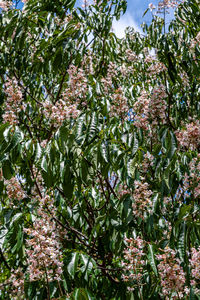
x=99, y=152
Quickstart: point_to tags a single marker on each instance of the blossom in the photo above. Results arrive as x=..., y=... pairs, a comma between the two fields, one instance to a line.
x=172, y=275
x=112, y=73
x=195, y=42
x=195, y=269
x=156, y=68
x=166, y=4
x=185, y=79
x=147, y=162
x=195, y=264
x=150, y=109
x=60, y=111
x=77, y=83
x=17, y=283
x=134, y=260
x=119, y=105
x=142, y=199
x=191, y=182
x=189, y=136
x=151, y=6
x=123, y=190
x=4, y=4
x=44, y=257
x=141, y=109
x=157, y=105
x=13, y=104
x=14, y=189
x=73, y=95
x=131, y=56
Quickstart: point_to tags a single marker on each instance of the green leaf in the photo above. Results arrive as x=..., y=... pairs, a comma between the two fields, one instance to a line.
x=136, y=144
x=104, y=151
x=44, y=164
x=68, y=182
x=72, y=266
x=38, y=154
x=151, y=258
x=81, y=294
x=145, y=12
x=182, y=241
x=87, y=265
x=8, y=171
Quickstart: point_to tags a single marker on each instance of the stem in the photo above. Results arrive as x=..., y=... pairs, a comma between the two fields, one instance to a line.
x=48, y=290
x=164, y=19
x=60, y=289
x=141, y=297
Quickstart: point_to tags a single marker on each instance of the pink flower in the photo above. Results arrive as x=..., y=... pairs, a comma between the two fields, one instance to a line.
x=189, y=137
x=13, y=104
x=142, y=199
x=14, y=189
x=5, y=4
x=172, y=275
x=44, y=257
x=151, y=6
x=195, y=266
x=133, y=263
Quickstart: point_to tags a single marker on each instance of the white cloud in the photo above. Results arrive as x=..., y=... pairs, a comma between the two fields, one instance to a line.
x=125, y=21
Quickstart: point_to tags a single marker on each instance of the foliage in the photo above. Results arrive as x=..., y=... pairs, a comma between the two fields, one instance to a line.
x=99, y=153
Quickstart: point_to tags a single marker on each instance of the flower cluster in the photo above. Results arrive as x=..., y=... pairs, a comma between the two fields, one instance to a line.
x=191, y=183
x=73, y=95
x=195, y=42
x=165, y=207
x=185, y=79
x=60, y=112
x=172, y=275
x=149, y=58
x=150, y=107
x=166, y=4
x=142, y=199
x=123, y=190
x=5, y=4
x=156, y=68
x=118, y=101
x=141, y=109
x=44, y=257
x=17, y=284
x=119, y=105
x=195, y=268
x=190, y=136
x=77, y=84
x=46, y=202
x=13, y=103
x=147, y=162
x=168, y=228
x=134, y=260
x=14, y=189
x=43, y=143
x=157, y=105
x=131, y=56
x=112, y=72
x=126, y=70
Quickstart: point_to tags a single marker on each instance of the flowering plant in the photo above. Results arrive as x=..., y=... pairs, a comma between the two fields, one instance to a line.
x=99, y=152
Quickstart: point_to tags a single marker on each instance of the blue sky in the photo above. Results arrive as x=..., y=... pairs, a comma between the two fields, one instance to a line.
x=133, y=16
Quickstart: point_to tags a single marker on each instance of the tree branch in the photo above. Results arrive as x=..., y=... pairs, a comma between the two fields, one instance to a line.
x=4, y=260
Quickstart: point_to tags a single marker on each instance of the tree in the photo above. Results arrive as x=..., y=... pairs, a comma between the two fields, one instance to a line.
x=100, y=162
